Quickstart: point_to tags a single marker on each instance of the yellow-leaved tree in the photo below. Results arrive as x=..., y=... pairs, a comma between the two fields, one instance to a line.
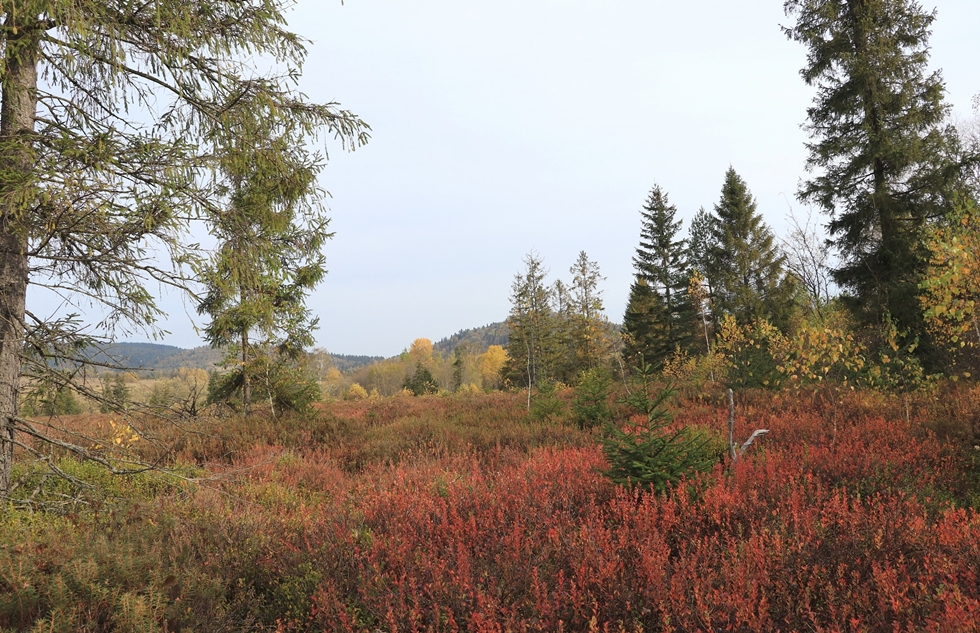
x=421, y=350
x=951, y=285
x=491, y=365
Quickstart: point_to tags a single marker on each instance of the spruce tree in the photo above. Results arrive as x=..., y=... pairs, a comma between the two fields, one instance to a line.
x=701, y=245
x=883, y=154
x=660, y=319
x=701, y=248
x=110, y=114
x=588, y=327
x=531, y=324
x=643, y=310
x=271, y=231
x=562, y=361
x=749, y=280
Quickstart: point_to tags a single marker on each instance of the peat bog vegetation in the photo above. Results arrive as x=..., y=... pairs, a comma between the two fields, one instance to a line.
x=462, y=512
x=545, y=478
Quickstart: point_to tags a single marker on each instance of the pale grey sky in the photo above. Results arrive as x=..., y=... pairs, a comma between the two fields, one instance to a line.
x=510, y=125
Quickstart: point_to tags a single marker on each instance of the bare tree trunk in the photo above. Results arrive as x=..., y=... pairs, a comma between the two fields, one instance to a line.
x=246, y=383
x=17, y=112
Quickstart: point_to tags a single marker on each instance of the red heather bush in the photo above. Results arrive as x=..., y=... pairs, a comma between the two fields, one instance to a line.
x=823, y=527
x=816, y=531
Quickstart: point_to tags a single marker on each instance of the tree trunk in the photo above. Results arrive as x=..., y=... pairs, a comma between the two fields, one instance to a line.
x=17, y=112
x=246, y=383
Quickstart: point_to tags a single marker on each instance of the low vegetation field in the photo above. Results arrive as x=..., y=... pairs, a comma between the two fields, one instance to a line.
x=461, y=513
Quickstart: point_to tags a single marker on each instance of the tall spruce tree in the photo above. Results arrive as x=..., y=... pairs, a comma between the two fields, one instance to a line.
x=531, y=347
x=749, y=279
x=589, y=328
x=643, y=310
x=700, y=253
x=271, y=231
x=882, y=151
x=701, y=244
x=110, y=111
x=562, y=361
x=659, y=314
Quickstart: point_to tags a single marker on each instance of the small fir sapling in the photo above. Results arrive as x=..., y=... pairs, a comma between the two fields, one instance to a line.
x=590, y=404
x=652, y=456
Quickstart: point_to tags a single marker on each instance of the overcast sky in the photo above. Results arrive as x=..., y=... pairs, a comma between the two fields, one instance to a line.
x=505, y=126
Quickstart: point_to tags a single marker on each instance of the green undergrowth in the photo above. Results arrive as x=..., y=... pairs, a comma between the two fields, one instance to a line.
x=72, y=485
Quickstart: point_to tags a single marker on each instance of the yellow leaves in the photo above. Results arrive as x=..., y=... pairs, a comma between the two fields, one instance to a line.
x=421, y=349
x=952, y=281
x=356, y=392
x=818, y=354
x=491, y=365
x=123, y=435
x=751, y=352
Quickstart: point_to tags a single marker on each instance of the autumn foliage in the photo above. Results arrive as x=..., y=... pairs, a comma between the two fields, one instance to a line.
x=853, y=514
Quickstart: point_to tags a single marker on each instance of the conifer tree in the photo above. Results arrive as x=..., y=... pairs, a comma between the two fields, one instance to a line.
x=268, y=259
x=700, y=252
x=562, y=356
x=110, y=113
x=701, y=245
x=530, y=348
x=661, y=318
x=749, y=280
x=643, y=309
x=588, y=326
x=883, y=154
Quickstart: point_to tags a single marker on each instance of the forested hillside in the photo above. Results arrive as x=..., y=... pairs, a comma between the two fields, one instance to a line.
x=151, y=356
x=476, y=339
x=134, y=355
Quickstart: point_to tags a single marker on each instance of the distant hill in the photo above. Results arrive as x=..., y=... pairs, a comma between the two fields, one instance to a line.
x=202, y=357
x=346, y=363
x=132, y=355
x=477, y=340
x=154, y=357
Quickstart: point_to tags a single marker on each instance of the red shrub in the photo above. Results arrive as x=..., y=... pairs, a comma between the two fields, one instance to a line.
x=819, y=530
x=823, y=527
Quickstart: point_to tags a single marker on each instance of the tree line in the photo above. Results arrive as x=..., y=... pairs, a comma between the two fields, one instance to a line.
x=897, y=183
x=126, y=126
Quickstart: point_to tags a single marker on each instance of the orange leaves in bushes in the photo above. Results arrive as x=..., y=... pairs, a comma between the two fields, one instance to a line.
x=817, y=530
x=809, y=535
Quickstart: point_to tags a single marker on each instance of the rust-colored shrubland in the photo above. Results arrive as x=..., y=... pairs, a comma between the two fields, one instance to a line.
x=458, y=513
